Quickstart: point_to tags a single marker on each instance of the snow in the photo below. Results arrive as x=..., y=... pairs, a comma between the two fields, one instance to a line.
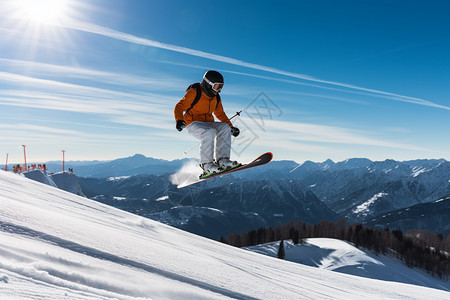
x=416, y=171
x=118, y=178
x=67, y=182
x=326, y=167
x=57, y=245
x=295, y=168
x=162, y=198
x=365, y=206
x=342, y=257
x=40, y=176
x=187, y=175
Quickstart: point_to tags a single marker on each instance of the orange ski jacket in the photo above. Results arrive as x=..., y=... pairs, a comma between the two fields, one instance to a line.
x=201, y=111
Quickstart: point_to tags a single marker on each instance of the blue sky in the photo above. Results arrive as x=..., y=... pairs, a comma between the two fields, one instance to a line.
x=315, y=79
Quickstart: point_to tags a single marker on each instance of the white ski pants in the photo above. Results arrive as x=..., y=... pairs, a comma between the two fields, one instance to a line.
x=207, y=132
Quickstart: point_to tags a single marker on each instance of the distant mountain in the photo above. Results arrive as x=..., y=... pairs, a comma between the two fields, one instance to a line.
x=207, y=209
x=432, y=216
x=141, y=194
x=274, y=201
x=134, y=165
x=361, y=189
x=358, y=188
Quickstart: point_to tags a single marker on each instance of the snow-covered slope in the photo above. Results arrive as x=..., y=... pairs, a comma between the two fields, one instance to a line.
x=68, y=182
x=340, y=256
x=57, y=245
x=40, y=176
x=62, y=180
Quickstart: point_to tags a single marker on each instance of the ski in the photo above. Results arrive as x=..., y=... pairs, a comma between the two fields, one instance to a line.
x=259, y=161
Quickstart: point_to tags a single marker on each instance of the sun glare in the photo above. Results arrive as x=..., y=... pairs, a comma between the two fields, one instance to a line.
x=42, y=11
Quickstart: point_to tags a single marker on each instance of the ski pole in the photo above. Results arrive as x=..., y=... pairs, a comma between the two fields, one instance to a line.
x=238, y=113
x=192, y=148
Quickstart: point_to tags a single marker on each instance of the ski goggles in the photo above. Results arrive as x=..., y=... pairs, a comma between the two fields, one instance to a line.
x=215, y=86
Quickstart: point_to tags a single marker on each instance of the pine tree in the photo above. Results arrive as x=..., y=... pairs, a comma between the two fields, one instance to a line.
x=294, y=235
x=281, y=253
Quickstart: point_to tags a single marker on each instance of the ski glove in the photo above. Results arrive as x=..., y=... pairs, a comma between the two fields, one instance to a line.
x=180, y=125
x=235, y=131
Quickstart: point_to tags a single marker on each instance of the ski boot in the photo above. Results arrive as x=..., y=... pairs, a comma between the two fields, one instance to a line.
x=209, y=169
x=226, y=164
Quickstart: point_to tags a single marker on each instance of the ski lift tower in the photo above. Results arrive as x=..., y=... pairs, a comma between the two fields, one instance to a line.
x=25, y=157
x=63, y=152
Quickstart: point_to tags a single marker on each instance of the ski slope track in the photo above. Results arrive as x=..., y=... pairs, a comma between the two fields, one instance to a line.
x=57, y=245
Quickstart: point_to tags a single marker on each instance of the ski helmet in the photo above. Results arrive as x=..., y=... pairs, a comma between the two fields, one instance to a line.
x=212, y=83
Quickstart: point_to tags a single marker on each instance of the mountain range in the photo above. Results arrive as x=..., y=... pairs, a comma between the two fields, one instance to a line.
x=211, y=209
x=432, y=216
x=357, y=189
x=361, y=189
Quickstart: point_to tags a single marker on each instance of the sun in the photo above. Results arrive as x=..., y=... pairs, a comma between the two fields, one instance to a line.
x=41, y=23
x=42, y=11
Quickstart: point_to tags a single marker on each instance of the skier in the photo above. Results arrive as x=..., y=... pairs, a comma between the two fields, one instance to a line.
x=194, y=111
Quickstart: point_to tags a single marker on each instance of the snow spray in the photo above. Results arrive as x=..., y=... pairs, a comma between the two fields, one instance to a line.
x=187, y=174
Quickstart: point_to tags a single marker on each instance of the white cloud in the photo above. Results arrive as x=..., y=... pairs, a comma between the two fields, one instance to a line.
x=38, y=128
x=56, y=95
x=287, y=134
x=108, y=32
x=155, y=81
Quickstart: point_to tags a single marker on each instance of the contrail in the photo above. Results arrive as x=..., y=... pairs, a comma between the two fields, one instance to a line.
x=108, y=32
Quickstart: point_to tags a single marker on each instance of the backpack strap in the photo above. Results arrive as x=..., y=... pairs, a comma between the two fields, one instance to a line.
x=198, y=87
x=218, y=99
x=197, y=96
